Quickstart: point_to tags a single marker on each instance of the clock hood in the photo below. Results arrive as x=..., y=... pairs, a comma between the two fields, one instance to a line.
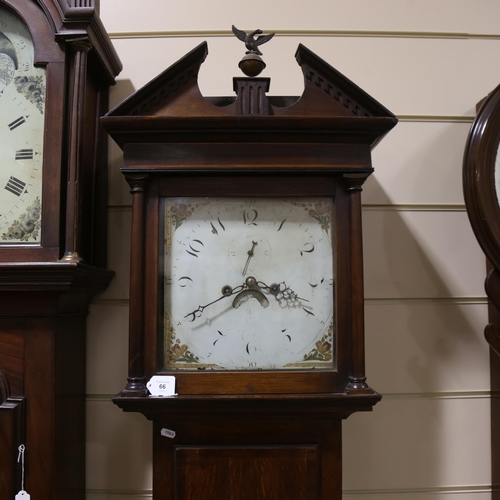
x=173, y=100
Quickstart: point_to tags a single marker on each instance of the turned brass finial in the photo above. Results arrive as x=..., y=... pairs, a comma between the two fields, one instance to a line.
x=252, y=64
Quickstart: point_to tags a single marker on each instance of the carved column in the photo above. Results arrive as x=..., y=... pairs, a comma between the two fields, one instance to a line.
x=252, y=98
x=357, y=378
x=76, y=144
x=136, y=382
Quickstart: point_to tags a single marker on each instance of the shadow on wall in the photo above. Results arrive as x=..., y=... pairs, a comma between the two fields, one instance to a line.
x=425, y=316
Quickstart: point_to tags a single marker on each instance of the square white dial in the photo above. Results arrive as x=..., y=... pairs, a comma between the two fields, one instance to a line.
x=248, y=283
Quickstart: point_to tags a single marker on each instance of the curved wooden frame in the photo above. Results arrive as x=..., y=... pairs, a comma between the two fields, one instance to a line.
x=481, y=199
x=483, y=207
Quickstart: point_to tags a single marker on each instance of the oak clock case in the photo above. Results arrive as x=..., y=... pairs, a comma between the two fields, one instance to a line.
x=56, y=66
x=246, y=276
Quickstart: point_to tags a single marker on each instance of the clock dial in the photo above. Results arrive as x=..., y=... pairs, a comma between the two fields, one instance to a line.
x=22, y=104
x=497, y=176
x=248, y=283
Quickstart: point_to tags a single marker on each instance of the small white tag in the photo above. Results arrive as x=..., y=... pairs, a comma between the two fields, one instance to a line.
x=22, y=495
x=162, y=385
x=167, y=433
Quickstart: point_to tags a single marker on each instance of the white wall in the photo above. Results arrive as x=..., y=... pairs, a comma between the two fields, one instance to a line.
x=429, y=62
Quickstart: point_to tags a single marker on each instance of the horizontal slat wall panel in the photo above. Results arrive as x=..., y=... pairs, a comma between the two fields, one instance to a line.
x=410, y=76
x=119, y=448
x=421, y=255
x=418, y=443
x=427, y=347
x=119, y=190
x=104, y=495
x=418, y=163
x=445, y=494
x=383, y=15
x=387, y=495
x=425, y=311
x=119, y=228
x=412, y=347
x=107, y=347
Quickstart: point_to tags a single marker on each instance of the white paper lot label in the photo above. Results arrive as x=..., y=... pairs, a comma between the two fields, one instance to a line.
x=162, y=385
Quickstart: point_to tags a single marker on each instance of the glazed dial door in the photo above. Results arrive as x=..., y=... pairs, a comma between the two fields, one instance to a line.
x=497, y=175
x=22, y=105
x=248, y=284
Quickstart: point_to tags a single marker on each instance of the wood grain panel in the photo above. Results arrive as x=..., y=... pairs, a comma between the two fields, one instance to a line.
x=247, y=473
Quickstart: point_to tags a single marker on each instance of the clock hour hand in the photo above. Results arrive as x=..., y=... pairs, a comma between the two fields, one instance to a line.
x=250, y=255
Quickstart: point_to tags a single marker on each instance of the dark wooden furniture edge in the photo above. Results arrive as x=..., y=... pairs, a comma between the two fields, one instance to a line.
x=53, y=276
x=484, y=215
x=248, y=407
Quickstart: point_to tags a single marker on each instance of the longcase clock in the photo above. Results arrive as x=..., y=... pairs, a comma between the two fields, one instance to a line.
x=56, y=65
x=246, y=278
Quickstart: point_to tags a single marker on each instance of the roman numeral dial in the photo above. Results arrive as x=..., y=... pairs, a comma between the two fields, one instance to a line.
x=249, y=283
x=22, y=106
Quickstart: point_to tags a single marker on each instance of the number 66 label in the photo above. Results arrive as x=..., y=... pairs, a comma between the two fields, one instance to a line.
x=162, y=385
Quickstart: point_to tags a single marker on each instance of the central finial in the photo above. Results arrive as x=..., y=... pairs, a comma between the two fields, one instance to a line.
x=252, y=64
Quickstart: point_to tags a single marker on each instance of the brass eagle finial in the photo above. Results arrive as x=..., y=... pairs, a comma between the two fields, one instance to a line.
x=252, y=64
x=252, y=43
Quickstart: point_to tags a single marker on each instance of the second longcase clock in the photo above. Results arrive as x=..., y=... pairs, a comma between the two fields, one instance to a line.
x=247, y=282
x=56, y=66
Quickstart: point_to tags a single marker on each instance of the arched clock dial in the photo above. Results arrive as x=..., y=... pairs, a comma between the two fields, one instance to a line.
x=22, y=105
x=497, y=176
x=249, y=284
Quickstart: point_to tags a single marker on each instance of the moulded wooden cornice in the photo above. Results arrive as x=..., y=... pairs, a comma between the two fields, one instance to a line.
x=224, y=129
x=318, y=74
x=79, y=19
